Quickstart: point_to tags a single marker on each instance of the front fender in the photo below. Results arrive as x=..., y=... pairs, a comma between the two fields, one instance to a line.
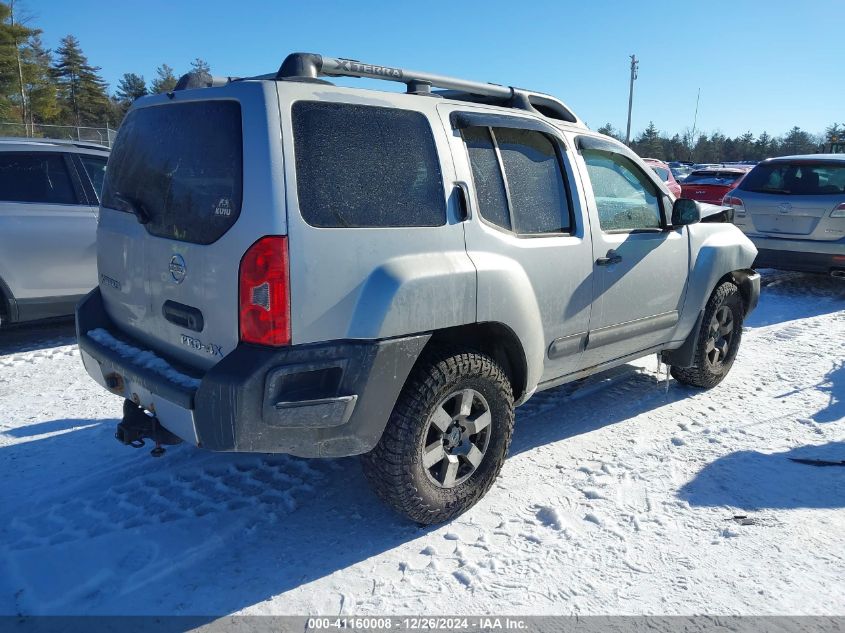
x=716, y=250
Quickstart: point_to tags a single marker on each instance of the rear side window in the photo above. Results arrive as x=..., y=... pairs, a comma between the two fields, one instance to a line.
x=366, y=166
x=535, y=181
x=182, y=164
x=532, y=199
x=799, y=178
x=489, y=185
x=35, y=177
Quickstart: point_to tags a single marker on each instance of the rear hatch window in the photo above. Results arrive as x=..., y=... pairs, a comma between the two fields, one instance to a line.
x=798, y=178
x=180, y=165
x=717, y=178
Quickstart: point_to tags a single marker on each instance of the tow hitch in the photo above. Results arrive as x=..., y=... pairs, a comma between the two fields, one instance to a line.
x=138, y=425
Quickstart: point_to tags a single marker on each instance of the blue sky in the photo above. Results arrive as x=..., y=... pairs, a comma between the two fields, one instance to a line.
x=761, y=65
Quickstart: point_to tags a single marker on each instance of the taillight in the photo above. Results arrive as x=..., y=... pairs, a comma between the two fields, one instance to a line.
x=264, y=298
x=839, y=212
x=735, y=203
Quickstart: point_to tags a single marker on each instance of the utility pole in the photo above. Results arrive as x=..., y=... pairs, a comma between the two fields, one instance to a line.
x=634, y=67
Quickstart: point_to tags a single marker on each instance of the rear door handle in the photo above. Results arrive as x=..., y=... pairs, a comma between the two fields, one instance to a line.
x=610, y=258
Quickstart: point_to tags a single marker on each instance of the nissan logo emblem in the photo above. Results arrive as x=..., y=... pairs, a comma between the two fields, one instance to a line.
x=177, y=268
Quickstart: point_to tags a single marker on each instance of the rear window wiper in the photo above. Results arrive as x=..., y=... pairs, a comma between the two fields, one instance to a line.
x=134, y=206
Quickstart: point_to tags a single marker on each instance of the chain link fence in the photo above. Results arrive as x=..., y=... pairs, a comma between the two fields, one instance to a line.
x=100, y=135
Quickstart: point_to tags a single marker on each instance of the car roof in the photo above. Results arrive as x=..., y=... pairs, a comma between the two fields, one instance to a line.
x=8, y=143
x=828, y=157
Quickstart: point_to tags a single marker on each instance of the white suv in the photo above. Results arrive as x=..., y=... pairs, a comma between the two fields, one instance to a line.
x=49, y=194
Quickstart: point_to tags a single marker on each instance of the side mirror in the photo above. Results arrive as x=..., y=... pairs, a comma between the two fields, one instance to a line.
x=685, y=212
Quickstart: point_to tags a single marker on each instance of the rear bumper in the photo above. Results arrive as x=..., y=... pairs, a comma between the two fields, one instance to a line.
x=318, y=400
x=799, y=255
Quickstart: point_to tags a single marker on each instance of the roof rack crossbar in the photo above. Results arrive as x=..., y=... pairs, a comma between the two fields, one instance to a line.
x=312, y=66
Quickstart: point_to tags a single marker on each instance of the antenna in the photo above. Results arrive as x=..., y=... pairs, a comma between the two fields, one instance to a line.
x=694, y=123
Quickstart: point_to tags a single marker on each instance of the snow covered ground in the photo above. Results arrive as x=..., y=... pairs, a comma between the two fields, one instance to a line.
x=618, y=498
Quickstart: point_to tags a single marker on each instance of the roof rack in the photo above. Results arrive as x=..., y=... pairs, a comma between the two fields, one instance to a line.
x=311, y=66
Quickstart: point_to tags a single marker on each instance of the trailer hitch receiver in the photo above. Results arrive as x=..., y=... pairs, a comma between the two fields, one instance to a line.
x=138, y=425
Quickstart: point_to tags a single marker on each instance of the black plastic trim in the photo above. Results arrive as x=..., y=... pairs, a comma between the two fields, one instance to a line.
x=461, y=120
x=46, y=307
x=684, y=356
x=621, y=331
x=10, y=309
x=337, y=405
x=799, y=261
x=237, y=402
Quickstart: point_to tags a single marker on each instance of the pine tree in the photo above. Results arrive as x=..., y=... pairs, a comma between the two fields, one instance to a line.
x=7, y=61
x=165, y=80
x=199, y=65
x=649, y=143
x=17, y=35
x=131, y=87
x=82, y=92
x=608, y=130
x=797, y=141
x=39, y=86
x=835, y=131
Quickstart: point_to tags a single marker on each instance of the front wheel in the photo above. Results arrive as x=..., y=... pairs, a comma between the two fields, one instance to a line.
x=718, y=339
x=446, y=439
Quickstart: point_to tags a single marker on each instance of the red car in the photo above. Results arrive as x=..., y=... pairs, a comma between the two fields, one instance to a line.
x=712, y=183
x=665, y=174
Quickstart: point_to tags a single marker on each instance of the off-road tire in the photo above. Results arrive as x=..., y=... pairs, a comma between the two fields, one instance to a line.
x=394, y=468
x=704, y=373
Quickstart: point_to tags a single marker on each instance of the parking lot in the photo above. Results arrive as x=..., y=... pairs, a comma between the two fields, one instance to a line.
x=637, y=499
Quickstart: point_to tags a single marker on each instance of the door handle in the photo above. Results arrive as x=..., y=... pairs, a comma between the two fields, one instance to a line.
x=610, y=258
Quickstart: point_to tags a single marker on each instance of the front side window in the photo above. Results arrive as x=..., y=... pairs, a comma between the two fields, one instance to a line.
x=626, y=198
x=532, y=197
x=35, y=177
x=366, y=166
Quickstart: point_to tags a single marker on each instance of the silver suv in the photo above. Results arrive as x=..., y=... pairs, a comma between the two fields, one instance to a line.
x=793, y=209
x=48, y=221
x=291, y=266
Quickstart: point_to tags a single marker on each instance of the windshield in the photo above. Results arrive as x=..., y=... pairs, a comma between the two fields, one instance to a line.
x=797, y=178
x=180, y=166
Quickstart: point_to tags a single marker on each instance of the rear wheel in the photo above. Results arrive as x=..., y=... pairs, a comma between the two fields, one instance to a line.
x=446, y=439
x=718, y=339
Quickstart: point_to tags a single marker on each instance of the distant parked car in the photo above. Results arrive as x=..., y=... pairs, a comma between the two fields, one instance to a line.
x=793, y=209
x=665, y=173
x=49, y=195
x=711, y=183
x=680, y=172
